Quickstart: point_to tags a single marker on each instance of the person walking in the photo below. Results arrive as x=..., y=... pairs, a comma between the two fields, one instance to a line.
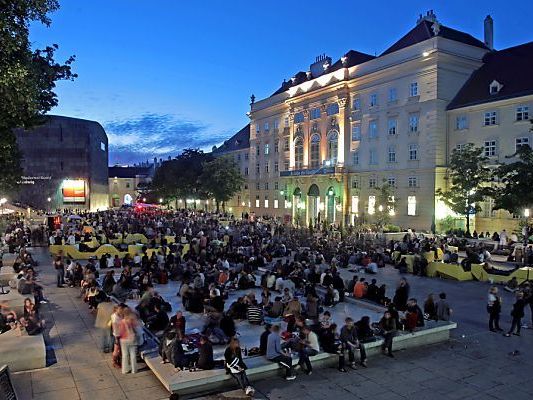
x=236, y=367
x=388, y=328
x=128, y=341
x=494, y=307
x=60, y=271
x=517, y=313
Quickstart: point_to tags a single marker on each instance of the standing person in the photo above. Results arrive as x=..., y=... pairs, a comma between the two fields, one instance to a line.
x=205, y=354
x=443, y=308
x=309, y=347
x=494, y=307
x=276, y=354
x=401, y=295
x=60, y=271
x=236, y=366
x=388, y=327
x=128, y=341
x=517, y=313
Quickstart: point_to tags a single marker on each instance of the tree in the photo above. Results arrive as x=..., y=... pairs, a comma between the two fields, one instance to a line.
x=221, y=179
x=468, y=174
x=515, y=194
x=384, y=205
x=27, y=79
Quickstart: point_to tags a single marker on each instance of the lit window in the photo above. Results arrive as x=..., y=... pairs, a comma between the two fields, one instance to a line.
x=356, y=132
x=413, y=152
x=522, y=141
x=392, y=154
x=373, y=129
x=413, y=122
x=490, y=118
x=103, y=147
x=373, y=159
x=333, y=147
x=373, y=100
x=276, y=166
x=355, y=204
x=299, y=153
x=371, y=205
x=266, y=126
x=413, y=89
x=393, y=96
x=257, y=205
x=355, y=157
x=356, y=104
x=411, y=205
x=267, y=149
x=299, y=118
x=461, y=122
x=391, y=126
x=490, y=148
x=315, y=113
x=522, y=113
x=372, y=183
x=391, y=181
x=276, y=203
x=412, y=181
x=332, y=109
x=266, y=202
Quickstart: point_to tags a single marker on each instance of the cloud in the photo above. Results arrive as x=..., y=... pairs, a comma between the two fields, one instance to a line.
x=157, y=135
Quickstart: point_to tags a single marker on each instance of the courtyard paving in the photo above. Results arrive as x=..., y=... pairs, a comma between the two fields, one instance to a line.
x=475, y=364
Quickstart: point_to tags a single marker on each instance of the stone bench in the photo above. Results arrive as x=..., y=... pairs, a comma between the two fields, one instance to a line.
x=22, y=353
x=15, y=300
x=199, y=382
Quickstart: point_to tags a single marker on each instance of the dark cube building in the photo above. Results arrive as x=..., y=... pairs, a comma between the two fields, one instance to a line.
x=65, y=164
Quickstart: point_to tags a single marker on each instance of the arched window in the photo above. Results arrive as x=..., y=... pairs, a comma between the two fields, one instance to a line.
x=299, y=153
x=315, y=151
x=333, y=146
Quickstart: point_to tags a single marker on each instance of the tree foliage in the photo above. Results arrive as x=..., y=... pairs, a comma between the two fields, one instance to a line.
x=27, y=79
x=385, y=202
x=221, y=179
x=514, y=193
x=468, y=174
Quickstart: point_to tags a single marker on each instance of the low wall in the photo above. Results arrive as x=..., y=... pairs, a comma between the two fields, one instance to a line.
x=22, y=353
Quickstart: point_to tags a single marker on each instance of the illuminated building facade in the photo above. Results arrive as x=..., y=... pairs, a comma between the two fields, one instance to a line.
x=324, y=143
x=65, y=165
x=127, y=184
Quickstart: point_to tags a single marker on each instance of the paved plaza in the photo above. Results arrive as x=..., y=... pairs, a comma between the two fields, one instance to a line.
x=475, y=364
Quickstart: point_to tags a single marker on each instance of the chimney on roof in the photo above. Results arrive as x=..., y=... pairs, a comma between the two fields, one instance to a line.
x=322, y=62
x=430, y=16
x=489, y=32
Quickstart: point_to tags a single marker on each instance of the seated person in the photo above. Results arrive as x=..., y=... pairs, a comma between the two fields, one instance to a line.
x=254, y=314
x=372, y=268
x=276, y=310
x=177, y=322
x=158, y=321
x=205, y=354
x=414, y=318
x=512, y=285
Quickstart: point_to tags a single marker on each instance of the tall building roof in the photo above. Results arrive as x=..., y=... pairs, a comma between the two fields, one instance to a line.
x=424, y=30
x=511, y=68
x=239, y=141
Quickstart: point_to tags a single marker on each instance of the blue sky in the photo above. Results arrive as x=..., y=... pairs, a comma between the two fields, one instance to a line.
x=163, y=75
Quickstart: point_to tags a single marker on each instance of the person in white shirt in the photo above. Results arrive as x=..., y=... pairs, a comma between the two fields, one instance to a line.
x=308, y=349
x=71, y=239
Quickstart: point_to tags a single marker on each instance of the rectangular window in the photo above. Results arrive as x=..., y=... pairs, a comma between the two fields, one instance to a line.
x=355, y=157
x=257, y=168
x=372, y=183
x=257, y=128
x=257, y=205
x=392, y=154
x=103, y=146
x=276, y=166
x=391, y=181
x=276, y=203
x=356, y=132
x=522, y=141
x=276, y=124
x=246, y=156
x=332, y=109
x=257, y=150
x=266, y=167
x=276, y=185
x=413, y=152
x=315, y=113
x=355, y=204
x=412, y=181
x=238, y=157
x=490, y=148
x=413, y=122
x=371, y=205
x=246, y=171
x=286, y=122
x=490, y=118
x=267, y=149
x=266, y=202
x=460, y=146
x=413, y=89
x=356, y=104
x=257, y=186
x=286, y=144
x=522, y=113
x=286, y=166
x=393, y=96
x=373, y=100
x=373, y=159
x=266, y=185
x=411, y=205
x=461, y=122
x=373, y=129
x=355, y=183
x=276, y=147
x=299, y=118
x=266, y=126
x=392, y=124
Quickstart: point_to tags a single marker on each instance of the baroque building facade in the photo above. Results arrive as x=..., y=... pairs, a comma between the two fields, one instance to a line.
x=325, y=142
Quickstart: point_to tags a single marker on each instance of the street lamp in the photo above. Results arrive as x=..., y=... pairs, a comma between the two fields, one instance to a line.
x=160, y=200
x=3, y=201
x=49, y=199
x=144, y=199
x=526, y=213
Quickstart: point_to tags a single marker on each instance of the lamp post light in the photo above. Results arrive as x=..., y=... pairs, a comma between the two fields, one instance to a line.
x=526, y=213
x=3, y=201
